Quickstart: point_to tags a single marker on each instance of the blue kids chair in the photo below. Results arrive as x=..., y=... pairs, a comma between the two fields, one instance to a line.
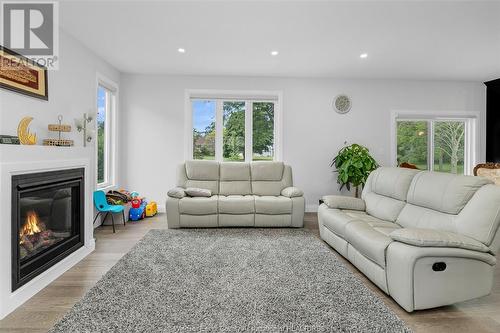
x=102, y=206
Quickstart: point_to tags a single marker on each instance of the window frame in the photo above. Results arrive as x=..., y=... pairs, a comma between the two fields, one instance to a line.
x=110, y=133
x=220, y=96
x=472, y=134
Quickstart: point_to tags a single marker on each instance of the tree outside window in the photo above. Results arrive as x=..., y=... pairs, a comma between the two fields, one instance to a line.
x=248, y=127
x=447, y=146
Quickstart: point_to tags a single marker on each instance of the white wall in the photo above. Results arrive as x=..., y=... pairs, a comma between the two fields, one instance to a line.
x=152, y=109
x=72, y=91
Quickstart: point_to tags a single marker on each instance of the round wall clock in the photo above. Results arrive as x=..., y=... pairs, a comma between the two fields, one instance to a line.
x=341, y=104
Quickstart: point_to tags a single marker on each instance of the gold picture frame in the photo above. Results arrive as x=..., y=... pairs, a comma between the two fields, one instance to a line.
x=22, y=75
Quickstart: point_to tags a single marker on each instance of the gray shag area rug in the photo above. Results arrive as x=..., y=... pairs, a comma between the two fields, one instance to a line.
x=230, y=280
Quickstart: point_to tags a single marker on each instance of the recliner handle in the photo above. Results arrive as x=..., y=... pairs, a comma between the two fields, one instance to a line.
x=438, y=266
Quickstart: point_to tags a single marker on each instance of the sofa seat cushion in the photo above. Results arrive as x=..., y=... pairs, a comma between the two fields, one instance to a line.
x=437, y=238
x=237, y=204
x=198, y=205
x=273, y=205
x=336, y=220
x=387, y=230
x=368, y=241
x=383, y=224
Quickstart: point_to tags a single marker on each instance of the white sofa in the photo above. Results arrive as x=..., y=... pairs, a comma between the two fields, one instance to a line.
x=257, y=194
x=427, y=239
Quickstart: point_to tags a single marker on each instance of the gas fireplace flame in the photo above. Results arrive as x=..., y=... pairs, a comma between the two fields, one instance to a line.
x=31, y=226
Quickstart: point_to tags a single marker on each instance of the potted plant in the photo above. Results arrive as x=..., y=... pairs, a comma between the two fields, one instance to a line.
x=353, y=164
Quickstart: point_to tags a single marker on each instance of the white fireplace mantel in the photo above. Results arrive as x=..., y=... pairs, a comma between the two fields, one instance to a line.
x=16, y=160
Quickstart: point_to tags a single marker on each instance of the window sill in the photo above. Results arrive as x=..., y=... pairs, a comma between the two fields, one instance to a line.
x=105, y=187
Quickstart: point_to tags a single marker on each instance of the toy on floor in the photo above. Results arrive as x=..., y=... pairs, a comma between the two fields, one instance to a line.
x=138, y=210
x=117, y=197
x=140, y=207
x=151, y=209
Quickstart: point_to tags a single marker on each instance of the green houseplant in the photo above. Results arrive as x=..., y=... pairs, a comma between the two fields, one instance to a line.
x=353, y=164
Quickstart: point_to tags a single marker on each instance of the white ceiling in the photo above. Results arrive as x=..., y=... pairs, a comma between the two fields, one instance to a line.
x=412, y=40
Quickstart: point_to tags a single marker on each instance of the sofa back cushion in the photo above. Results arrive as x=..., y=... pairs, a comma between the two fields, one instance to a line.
x=267, y=177
x=443, y=192
x=413, y=216
x=465, y=205
x=480, y=218
x=385, y=191
x=235, y=178
x=393, y=182
x=201, y=174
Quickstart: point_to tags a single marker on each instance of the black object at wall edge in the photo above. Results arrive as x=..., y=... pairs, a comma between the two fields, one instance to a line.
x=493, y=121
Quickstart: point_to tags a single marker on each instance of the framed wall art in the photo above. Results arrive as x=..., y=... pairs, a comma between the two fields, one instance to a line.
x=22, y=75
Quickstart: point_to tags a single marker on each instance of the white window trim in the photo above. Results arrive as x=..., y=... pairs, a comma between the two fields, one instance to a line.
x=111, y=127
x=472, y=139
x=241, y=95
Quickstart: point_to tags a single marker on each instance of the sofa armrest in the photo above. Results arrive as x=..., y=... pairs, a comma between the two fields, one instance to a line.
x=436, y=238
x=177, y=192
x=173, y=215
x=292, y=192
x=343, y=202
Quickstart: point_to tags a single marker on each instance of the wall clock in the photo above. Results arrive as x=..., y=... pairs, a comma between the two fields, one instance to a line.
x=341, y=104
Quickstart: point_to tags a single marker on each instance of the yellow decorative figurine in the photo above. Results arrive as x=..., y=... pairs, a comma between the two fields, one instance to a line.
x=25, y=137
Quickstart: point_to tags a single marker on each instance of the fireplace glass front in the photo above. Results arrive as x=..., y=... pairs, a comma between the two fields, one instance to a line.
x=47, y=220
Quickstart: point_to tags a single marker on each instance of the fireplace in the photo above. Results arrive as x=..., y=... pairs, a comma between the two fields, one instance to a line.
x=47, y=221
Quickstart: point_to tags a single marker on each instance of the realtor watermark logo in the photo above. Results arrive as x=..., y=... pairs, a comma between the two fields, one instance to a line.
x=31, y=28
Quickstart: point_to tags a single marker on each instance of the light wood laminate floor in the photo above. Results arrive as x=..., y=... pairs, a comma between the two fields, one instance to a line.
x=41, y=312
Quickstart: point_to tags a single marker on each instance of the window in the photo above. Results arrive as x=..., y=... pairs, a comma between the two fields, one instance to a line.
x=437, y=144
x=106, y=101
x=233, y=133
x=233, y=129
x=203, y=130
x=412, y=143
x=263, y=131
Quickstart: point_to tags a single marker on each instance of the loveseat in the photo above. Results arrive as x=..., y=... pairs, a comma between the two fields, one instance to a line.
x=256, y=194
x=427, y=239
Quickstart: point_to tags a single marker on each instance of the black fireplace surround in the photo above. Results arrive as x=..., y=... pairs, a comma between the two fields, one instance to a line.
x=47, y=220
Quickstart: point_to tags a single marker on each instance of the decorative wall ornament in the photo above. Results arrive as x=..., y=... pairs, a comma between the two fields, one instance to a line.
x=341, y=104
x=81, y=126
x=58, y=128
x=22, y=75
x=23, y=132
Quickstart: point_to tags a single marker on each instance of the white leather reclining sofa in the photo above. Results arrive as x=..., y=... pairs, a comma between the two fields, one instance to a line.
x=257, y=194
x=425, y=238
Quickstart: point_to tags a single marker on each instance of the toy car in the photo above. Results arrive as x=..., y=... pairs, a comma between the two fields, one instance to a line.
x=151, y=209
x=138, y=210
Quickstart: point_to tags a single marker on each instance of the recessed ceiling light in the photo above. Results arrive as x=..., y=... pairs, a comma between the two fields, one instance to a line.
x=274, y=53
x=181, y=50
x=363, y=55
